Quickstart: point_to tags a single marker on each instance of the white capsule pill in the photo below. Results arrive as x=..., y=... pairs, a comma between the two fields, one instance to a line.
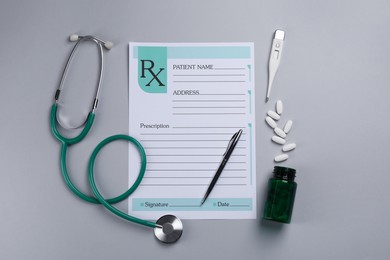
x=273, y=114
x=270, y=122
x=278, y=139
x=281, y=157
x=279, y=107
x=287, y=126
x=289, y=147
x=280, y=132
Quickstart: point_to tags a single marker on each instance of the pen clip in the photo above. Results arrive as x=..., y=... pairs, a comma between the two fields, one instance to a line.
x=233, y=141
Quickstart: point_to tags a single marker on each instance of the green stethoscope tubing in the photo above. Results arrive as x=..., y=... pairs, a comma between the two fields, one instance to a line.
x=99, y=199
x=135, y=185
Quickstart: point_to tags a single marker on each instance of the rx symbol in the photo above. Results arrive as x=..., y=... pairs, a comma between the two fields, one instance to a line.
x=149, y=68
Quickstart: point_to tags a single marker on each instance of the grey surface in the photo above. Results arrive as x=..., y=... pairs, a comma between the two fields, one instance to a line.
x=334, y=80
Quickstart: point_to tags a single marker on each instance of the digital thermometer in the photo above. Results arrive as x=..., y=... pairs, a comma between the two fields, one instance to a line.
x=274, y=59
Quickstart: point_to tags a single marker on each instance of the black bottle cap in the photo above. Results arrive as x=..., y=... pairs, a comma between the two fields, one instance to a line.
x=284, y=173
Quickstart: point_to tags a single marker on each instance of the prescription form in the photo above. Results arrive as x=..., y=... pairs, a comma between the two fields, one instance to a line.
x=185, y=103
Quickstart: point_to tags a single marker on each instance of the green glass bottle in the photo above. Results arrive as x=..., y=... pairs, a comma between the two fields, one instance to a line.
x=281, y=195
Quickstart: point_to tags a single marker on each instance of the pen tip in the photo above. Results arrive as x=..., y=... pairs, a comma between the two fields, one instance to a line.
x=266, y=99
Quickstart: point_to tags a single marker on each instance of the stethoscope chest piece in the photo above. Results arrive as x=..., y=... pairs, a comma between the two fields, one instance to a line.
x=169, y=229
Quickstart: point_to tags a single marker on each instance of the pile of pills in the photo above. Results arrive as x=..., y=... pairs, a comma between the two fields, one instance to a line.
x=281, y=134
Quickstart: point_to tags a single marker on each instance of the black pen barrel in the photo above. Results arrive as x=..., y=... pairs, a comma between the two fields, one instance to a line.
x=215, y=179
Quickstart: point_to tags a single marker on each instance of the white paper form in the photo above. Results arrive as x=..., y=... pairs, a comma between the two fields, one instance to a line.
x=185, y=103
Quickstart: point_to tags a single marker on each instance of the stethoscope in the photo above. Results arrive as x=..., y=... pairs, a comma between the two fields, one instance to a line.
x=168, y=228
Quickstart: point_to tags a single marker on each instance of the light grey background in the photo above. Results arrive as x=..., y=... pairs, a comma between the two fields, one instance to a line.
x=334, y=81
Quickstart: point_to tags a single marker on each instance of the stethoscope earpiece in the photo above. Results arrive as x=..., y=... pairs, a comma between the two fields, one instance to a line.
x=73, y=37
x=108, y=45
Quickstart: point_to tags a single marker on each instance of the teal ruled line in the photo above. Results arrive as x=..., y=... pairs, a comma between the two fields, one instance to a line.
x=250, y=101
x=250, y=72
x=250, y=148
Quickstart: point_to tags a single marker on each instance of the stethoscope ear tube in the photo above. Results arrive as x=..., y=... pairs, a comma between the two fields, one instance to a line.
x=79, y=40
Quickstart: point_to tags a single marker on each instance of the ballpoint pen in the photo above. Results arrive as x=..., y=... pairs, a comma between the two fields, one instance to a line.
x=229, y=150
